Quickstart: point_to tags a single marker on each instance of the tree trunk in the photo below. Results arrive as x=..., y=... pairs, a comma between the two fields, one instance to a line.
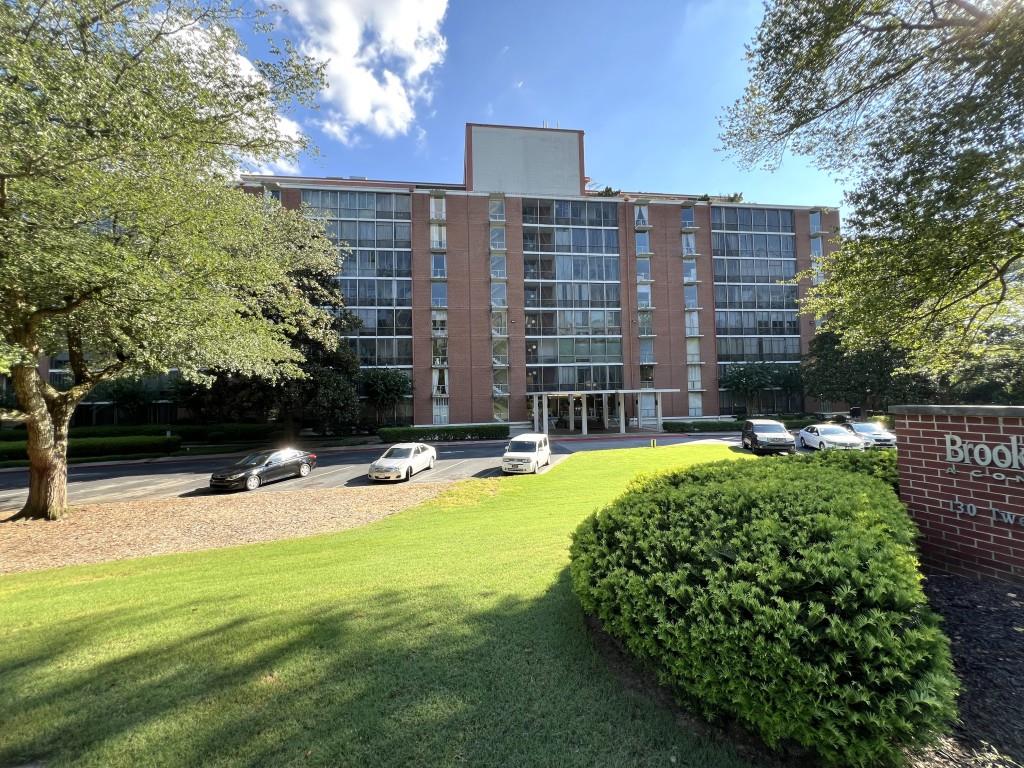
x=48, y=417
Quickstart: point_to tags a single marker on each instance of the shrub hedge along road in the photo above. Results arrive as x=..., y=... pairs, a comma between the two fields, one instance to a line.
x=783, y=594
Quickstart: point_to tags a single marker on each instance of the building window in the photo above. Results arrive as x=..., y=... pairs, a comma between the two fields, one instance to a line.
x=438, y=266
x=646, y=351
x=689, y=271
x=273, y=194
x=640, y=216
x=643, y=268
x=643, y=242
x=439, y=294
x=499, y=323
x=643, y=296
x=499, y=381
x=689, y=244
x=695, y=401
x=499, y=352
x=693, y=380
x=439, y=349
x=499, y=295
x=647, y=382
x=501, y=409
x=690, y=297
x=815, y=247
x=496, y=209
x=437, y=208
x=645, y=323
x=440, y=410
x=438, y=236
x=440, y=381
x=498, y=266
x=686, y=218
x=815, y=222
x=692, y=323
x=693, y=350
x=497, y=238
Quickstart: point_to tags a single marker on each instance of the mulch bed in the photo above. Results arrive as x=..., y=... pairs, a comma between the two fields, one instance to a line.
x=985, y=624
x=94, y=533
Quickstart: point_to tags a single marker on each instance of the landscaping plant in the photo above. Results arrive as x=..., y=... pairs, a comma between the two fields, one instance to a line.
x=783, y=595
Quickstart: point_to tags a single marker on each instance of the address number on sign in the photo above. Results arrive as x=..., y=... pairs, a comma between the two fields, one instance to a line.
x=970, y=509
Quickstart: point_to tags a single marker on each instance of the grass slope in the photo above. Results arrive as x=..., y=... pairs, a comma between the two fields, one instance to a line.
x=445, y=635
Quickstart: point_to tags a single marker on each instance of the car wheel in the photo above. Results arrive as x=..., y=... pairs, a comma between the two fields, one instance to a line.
x=431, y=465
x=821, y=446
x=303, y=469
x=252, y=482
x=745, y=443
x=547, y=461
x=408, y=474
x=802, y=443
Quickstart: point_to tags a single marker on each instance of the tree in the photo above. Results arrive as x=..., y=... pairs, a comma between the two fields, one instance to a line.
x=923, y=103
x=870, y=378
x=123, y=238
x=385, y=388
x=746, y=380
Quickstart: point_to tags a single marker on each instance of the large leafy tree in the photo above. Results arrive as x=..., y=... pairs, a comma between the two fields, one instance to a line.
x=921, y=103
x=123, y=238
x=746, y=380
x=384, y=389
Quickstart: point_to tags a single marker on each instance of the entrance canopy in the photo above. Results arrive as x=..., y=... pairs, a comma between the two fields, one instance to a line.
x=540, y=414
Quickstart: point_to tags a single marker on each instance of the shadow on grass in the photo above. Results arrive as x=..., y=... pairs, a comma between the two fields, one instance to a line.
x=417, y=678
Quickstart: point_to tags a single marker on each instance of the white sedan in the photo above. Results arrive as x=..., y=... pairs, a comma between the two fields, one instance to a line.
x=824, y=437
x=402, y=461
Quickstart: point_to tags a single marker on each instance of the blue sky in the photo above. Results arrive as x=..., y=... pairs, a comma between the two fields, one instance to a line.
x=645, y=81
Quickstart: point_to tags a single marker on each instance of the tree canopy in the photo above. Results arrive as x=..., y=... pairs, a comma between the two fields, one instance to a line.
x=124, y=240
x=921, y=104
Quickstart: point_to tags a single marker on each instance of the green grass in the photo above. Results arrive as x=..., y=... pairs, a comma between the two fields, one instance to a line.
x=446, y=635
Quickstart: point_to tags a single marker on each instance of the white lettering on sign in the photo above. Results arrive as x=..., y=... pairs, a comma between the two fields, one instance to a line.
x=970, y=509
x=1003, y=455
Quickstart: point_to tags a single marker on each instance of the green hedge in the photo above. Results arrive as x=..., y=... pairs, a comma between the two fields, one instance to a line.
x=879, y=463
x=703, y=426
x=784, y=595
x=82, y=447
x=414, y=434
x=189, y=433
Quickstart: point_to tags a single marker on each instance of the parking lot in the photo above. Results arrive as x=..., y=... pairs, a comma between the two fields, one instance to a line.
x=335, y=469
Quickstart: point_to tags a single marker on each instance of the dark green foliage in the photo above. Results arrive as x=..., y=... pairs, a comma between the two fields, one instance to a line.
x=703, y=426
x=80, y=447
x=189, y=433
x=880, y=463
x=413, y=434
x=384, y=388
x=782, y=594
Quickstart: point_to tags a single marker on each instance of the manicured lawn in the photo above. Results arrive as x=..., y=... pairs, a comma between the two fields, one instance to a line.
x=446, y=635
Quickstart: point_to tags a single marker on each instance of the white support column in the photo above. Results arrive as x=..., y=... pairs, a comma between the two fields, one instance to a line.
x=583, y=412
x=604, y=411
x=544, y=412
x=536, y=415
x=572, y=412
x=622, y=414
x=657, y=404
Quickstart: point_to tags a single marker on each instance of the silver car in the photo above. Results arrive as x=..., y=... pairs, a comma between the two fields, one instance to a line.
x=873, y=434
x=827, y=437
x=402, y=461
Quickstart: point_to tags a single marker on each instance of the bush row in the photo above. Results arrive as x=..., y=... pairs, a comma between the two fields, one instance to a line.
x=781, y=594
x=81, y=447
x=880, y=463
x=412, y=434
x=191, y=433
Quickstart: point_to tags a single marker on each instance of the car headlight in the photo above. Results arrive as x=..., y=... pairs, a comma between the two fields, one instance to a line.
x=236, y=476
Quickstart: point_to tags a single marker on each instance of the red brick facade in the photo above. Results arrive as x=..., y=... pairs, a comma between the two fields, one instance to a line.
x=962, y=477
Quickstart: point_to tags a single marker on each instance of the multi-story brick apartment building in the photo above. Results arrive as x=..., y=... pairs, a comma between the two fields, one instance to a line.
x=519, y=292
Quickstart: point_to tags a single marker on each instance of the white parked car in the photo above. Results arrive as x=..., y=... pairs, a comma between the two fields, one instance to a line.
x=873, y=434
x=824, y=437
x=402, y=461
x=526, y=453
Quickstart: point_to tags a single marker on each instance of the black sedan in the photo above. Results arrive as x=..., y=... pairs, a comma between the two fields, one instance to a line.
x=252, y=471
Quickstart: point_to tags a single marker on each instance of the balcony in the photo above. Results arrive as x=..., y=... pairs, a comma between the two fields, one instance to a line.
x=498, y=274
x=439, y=245
x=499, y=390
x=646, y=385
x=499, y=330
x=440, y=390
x=644, y=304
x=441, y=361
x=499, y=361
x=692, y=357
x=438, y=303
x=439, y=332
x=692, y=330
x=644, y=277
x=645, y=330
x=439, y=273
x=646, y=358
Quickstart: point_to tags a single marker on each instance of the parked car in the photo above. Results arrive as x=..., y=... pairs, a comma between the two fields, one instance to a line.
x=252, y=471
x=828, y=437
x=402, y=461
x=767, y=436
x=872, y=433
x=526, y=453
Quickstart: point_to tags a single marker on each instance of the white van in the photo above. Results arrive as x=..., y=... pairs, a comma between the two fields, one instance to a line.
x=526, y=453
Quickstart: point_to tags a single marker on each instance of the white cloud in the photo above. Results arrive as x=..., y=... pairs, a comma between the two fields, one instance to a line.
x=518, y=84
x=380, y=56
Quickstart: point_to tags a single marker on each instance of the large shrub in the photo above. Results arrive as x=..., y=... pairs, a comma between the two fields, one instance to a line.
x=472, y=432
x=785, y=595
x=880, y=463
x=86, y=447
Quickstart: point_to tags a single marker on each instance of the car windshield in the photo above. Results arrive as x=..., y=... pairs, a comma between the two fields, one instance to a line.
x=772, y=428
x=522, y=446
x=832, y=431
x=254, y=459
x=867, y=429
x=397, y=453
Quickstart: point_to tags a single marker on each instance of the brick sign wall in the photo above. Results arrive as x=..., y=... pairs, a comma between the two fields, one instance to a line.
x=962, y=478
